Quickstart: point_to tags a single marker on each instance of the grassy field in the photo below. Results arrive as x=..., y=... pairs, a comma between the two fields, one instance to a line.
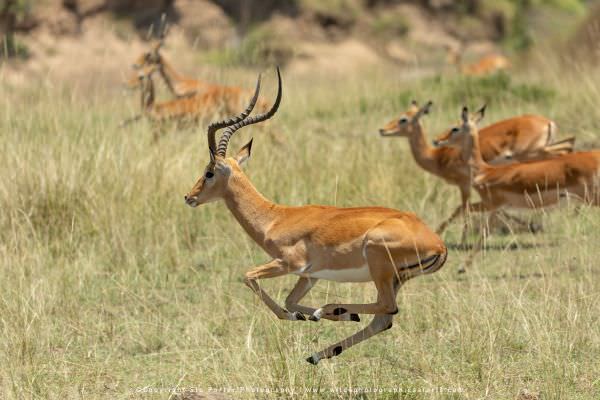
x=110, y=287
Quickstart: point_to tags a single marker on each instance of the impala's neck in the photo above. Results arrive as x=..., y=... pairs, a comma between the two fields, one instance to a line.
x=147, y=98
x=421, y=150
x=251, y=209
x=169, y=74
x=472, y=152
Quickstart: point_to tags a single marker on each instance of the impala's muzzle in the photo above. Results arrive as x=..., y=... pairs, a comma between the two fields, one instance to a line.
x=191, y=201
x=386, y=132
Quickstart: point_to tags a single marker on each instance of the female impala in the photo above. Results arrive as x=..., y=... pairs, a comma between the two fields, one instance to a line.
x=229, y=98
x=520, y=138
x=531, y=184
x=363, y=244
x=179, y=85
x=187, y=109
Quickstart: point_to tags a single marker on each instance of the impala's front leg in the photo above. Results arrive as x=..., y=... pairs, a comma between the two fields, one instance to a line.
x=272, y=269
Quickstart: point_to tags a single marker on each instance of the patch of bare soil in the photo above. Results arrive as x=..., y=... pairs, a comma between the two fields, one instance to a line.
x=88, y=44
x=96, y=56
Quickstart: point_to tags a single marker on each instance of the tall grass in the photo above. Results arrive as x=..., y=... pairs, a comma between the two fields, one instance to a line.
x=110, y=286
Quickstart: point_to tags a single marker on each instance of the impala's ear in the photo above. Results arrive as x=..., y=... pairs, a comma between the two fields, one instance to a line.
x=480, y=114
x=244, y=153
x=422, y=111
x=465, y=115
x=425, y=109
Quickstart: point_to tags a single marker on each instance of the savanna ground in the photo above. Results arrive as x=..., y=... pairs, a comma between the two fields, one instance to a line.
x=112, y=287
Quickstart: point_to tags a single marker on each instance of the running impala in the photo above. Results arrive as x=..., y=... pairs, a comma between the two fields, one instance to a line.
x=228, y=98
x=185, y=109
x=518, y=138
x=179, y=85
x=530, y=184
x=363, y=244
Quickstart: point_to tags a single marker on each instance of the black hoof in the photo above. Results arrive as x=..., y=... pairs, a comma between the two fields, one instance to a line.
x=312, y=360
x=461, y=270
x=313, y=318
x=354, y=317
x=299, y=316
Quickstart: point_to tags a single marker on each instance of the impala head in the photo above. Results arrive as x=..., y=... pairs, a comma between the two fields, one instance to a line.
x=407, y=122
x=149, y=59
x=456, y=135
x=214, y=181
x=145, y=72
x=143, y=77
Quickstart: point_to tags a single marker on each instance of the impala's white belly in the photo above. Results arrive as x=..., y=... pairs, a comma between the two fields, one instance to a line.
x=360, y=274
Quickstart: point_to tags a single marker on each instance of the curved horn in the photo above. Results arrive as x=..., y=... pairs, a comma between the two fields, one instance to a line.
x=224, y=141
x=215, y=126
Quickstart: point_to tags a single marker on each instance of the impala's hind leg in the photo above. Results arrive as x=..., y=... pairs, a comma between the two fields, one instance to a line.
x=380, y=323
x=384, y=274
x=527, y=226
x=302, y=287
x=392, y=256
x=465, y=194
x=477, y=207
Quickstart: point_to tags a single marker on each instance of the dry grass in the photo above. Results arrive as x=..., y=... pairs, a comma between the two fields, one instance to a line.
x=111, y=287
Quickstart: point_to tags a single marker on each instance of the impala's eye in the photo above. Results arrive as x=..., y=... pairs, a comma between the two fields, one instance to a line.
x=209, y=175
x=454, y=130
x=402, y=120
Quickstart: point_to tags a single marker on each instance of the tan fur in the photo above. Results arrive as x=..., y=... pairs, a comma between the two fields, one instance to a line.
x=531, y=184
x=185, y=109
x=526, y=137
x=519, y=138
x=486, y=65
x=364, y=244
x=227, y=99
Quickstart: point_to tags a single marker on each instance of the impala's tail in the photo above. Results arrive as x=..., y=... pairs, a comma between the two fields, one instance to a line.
x=430, y=264
x=561, y=147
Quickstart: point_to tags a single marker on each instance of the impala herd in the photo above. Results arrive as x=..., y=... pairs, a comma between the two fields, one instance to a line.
x=516, y=163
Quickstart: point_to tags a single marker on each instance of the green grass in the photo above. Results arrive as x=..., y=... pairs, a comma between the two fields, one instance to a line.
x=261, y=47
x=110, y=284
